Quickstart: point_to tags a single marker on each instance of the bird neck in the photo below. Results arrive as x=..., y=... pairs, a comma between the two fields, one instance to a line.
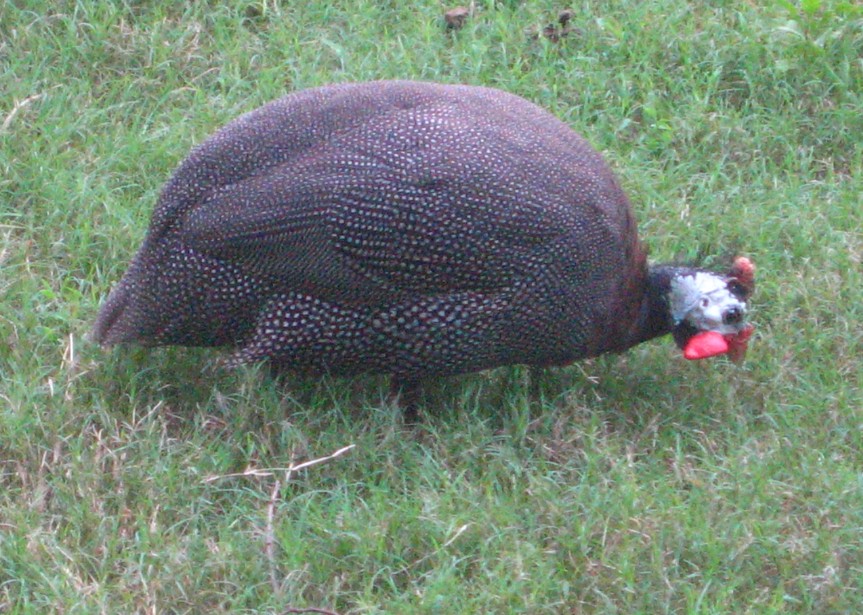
x=654, y=316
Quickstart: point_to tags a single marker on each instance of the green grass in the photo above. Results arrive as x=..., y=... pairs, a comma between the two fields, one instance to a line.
x=633, y=484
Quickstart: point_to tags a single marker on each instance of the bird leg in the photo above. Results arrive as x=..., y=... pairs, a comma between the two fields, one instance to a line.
x=405, y=393
x=535, y=379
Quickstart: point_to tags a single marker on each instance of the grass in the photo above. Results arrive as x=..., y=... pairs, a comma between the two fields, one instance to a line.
x=632, y=484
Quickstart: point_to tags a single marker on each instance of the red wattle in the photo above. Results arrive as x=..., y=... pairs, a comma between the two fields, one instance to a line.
x=738, y=343
x=705, y=344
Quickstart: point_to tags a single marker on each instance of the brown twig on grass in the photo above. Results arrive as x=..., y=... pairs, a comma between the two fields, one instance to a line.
x=428, y=556
x=269, y=528
x=20, y=104
x=267, y=472
x=270, y=536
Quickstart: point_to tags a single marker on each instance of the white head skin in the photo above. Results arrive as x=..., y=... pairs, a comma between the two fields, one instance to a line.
x=704, y=300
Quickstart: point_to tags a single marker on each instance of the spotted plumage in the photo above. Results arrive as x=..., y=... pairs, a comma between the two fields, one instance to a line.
x=396, y=227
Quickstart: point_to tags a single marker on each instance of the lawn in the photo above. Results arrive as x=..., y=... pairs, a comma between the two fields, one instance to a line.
x=136, y=480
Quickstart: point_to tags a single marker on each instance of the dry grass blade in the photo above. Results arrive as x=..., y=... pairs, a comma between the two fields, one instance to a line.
x=428, y=556
x=266, y=472
x=270, y=537
x=16, y=108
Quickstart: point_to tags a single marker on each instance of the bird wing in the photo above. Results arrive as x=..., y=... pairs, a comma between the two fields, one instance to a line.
x=356, y=228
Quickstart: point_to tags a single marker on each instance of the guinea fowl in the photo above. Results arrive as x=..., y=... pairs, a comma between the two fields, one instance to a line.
x=411, y=229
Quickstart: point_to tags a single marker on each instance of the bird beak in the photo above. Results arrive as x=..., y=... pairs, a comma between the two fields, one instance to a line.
x=711, y=343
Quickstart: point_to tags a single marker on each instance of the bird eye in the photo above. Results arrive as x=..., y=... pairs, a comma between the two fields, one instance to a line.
x=733, y=316
x=705, y=302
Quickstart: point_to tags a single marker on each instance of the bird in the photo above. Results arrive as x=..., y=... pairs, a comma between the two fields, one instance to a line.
x=413, y=229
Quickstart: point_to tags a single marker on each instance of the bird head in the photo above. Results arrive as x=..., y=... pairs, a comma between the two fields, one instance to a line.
x=708, y=310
